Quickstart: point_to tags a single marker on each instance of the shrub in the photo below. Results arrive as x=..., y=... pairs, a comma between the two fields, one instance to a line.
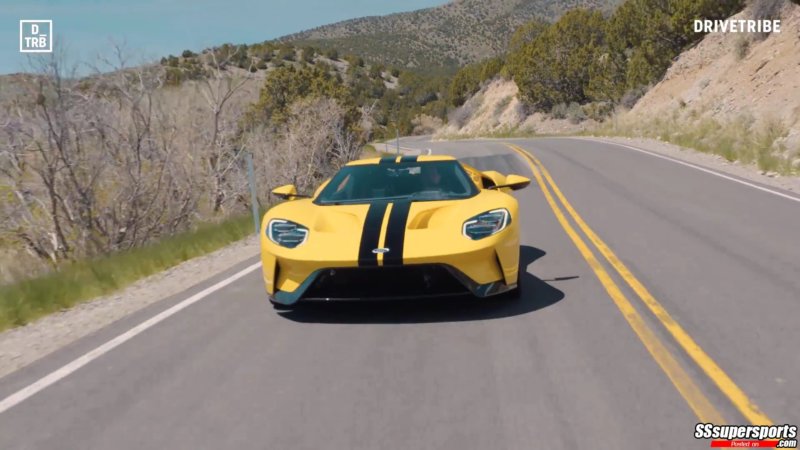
x=741, y=47
x=287, y=54
x=174, y=76
x=461, y=115
x=559, y=111
x=598, y=111
x=188, y=54
x=630, y=98
x=308, y=54
x=575, y=113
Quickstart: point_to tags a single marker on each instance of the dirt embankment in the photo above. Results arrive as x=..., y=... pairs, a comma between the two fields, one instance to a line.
x=731, y=76
x=496, y=110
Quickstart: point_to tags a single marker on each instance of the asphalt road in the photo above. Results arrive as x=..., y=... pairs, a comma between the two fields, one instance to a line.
x=566, y=366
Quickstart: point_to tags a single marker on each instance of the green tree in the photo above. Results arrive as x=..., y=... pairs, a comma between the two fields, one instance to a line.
x=554, y=68
x=526, y=33
x=288, y=84
x=287, y=53
x=644, y=36
x=332, y=54
x=308, y=54
x=465, y=83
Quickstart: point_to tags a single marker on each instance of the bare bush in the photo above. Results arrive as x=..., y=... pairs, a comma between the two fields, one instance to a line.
x=632, y=96
x=741, y=47
x=90, y=165
x=559, y=111
x=220, y=133
x=425, y=124
x=312, y=145
x=461, y=115
x=112, y=161
x=575, y=113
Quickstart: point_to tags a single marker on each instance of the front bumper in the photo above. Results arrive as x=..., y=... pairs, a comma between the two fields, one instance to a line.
x=484, y=267
x=388, y=283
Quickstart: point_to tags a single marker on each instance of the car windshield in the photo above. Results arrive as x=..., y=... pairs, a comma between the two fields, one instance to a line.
x=416, y=181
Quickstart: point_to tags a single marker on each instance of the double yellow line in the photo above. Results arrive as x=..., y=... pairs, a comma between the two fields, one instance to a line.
x=693, y=395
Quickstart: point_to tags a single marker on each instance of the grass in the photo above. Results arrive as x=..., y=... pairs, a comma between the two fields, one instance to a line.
x=742, y=139
x=369, y=151
x=27, y=300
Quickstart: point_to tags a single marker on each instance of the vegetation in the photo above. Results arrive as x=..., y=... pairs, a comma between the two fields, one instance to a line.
x=392, y=96
x=553, y=68
x=441, y=39
x=469, y=79
x=743, y=139
x=27, y=300
x=584, y=57
x=97, y=205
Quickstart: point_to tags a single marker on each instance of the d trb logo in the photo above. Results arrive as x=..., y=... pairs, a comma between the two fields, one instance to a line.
x=36, y=36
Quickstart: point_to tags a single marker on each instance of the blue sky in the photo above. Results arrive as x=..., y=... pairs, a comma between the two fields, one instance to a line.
x=151, y=29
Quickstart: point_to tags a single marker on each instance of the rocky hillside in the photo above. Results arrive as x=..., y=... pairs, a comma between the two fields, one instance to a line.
x=495, y=110
x=732, y=94
x=728, y=78
x=457, y=33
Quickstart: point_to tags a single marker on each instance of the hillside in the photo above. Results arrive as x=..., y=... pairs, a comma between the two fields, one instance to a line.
x=194, y=113
x=453, y=34
x=733, y=94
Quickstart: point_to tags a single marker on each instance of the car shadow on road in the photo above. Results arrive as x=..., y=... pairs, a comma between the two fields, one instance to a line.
x=536, y=294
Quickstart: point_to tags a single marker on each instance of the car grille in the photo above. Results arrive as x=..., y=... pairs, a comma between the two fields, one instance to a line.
x=430, y=280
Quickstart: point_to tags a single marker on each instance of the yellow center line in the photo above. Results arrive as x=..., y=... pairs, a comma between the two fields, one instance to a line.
x=688, y=389
x=742, y=402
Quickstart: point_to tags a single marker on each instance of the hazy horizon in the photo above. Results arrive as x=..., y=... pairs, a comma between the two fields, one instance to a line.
x=151, y=29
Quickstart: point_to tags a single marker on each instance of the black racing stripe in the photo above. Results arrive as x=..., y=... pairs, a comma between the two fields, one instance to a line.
x=387, y=160
x=410, y=158
x=371, y=234
x=396, y=234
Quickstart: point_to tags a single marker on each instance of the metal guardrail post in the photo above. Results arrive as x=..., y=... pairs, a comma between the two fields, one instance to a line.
x=253, y=197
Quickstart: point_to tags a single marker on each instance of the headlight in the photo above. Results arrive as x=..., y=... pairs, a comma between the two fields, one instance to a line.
x=286, y=233
x=486, y=224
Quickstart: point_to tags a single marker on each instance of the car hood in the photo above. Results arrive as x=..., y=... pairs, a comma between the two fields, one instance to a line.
x=352, y=233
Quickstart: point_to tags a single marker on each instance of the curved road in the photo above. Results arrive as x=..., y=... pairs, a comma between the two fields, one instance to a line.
x=656, y=296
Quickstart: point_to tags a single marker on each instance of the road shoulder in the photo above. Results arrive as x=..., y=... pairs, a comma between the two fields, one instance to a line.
x=22, y=346
x=708, y=161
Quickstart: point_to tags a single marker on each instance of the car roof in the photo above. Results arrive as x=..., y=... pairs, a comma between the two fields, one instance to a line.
x=399, y=158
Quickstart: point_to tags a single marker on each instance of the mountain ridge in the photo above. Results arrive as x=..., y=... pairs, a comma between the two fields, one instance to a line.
x=453, y=34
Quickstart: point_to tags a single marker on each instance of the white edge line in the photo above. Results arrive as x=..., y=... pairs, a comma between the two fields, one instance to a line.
x=694, y=166
x=61, y=373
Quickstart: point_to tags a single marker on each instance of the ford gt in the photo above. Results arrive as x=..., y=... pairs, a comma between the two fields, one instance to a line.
x=394, y=228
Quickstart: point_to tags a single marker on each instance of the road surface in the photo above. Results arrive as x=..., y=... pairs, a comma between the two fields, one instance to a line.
x=670, y=297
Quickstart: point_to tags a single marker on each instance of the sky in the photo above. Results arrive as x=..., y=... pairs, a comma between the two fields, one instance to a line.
x=150, y=29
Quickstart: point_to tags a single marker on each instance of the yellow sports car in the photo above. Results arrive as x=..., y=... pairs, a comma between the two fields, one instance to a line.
x=394, y=227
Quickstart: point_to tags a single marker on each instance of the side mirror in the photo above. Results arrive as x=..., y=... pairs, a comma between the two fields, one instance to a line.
x=514, y=182
x=492, y=178
x=287, y=192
